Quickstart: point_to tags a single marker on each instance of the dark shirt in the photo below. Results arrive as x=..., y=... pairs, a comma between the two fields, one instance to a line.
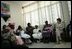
x=46, y=26
x=17, y=32
x=29, y=30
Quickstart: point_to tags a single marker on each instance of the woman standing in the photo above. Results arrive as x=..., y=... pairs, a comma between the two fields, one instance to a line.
x=59, y=30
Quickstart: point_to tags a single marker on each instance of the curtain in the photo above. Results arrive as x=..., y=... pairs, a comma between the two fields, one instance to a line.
x=42, y=11
x=69, y=6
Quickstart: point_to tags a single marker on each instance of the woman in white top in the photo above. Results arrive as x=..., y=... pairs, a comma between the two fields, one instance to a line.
x=23, y=35
x=59, y=30
x=36, y=33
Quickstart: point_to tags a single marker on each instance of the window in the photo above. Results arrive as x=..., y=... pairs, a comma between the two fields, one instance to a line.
x=43, y=15
x=69, y=6
x=41, y=11
x=28, y=19
x=54, y=13
x=33, y=7
x=46, y=3
x=47, y=14
x=34, y=18
x=41, y=4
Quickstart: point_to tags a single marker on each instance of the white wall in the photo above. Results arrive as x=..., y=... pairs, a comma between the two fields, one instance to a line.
x=2, y=21
x=16, y=15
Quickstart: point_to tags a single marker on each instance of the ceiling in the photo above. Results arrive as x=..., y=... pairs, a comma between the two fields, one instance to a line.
x=21, y=3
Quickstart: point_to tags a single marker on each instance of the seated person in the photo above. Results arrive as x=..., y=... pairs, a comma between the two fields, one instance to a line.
x=70, y=31
x=3, y=29
x=23, y=35
x=12, y=26
x=15, y=41
x=68, y=28
x=4, y=26
x=5, y=43
x=37, y=33
x=18, y=30
x=46, y=32
x=21, y=32
x=29, y=31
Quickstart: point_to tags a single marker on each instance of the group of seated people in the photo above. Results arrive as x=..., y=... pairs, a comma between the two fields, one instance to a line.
x=19, y=38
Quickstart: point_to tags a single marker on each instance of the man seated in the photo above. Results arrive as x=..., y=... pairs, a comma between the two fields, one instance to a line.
x=29, y=31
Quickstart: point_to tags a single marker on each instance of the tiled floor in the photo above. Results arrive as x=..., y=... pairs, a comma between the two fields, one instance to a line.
x=50, y=45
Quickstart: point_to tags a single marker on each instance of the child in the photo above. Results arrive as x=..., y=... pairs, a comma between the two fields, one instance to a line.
x=59, y=30
x=37, y=33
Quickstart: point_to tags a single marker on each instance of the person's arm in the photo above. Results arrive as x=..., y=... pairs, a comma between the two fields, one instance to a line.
x=43, y=28
x=61, y=27
x=27, y=29
x=54, y=29
x=33, y=28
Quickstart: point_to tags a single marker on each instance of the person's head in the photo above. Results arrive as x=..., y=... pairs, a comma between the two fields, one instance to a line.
x=58, y=20
x=29, y=24
x=39, y=30
x=4, y=26
x=36, y=26
x=11, y=25
x=7, y=29
x=19, y=27
x=46, y=22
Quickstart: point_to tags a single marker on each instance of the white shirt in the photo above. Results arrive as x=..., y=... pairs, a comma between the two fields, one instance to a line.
x=35, y=31
x=59, y=28
x=24, y=35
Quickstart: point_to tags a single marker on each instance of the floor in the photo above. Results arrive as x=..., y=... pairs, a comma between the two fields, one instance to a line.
x=50, y=45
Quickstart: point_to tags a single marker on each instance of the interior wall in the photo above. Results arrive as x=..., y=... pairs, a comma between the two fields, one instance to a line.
x=18, y=18
x=16, y=14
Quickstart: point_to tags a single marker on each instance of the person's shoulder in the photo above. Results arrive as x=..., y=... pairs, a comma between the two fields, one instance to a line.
x=49, y=25
x=56, y=23
x=22, y=31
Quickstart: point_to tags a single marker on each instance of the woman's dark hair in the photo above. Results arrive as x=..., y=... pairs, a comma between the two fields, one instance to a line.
x=59, y=19
x=46, y=21
x=4, y=26
x=28, y=24
x=11, y=26
x=39, y=30
x=19, y=27
x=36, y=25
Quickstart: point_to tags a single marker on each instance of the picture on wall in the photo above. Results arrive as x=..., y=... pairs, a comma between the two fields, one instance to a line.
x=5, y=11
